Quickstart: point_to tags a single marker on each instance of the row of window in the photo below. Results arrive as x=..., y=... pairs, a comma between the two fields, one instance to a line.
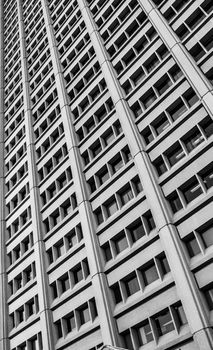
x=37, y=64
x=16, y=177
x=22, y=279
x=70, y=279
x=188, y=142
x=16, y=157
x=53, y=162
x=12, y=52
x=18, y=251
x=45, y=105
x=197, y=241
x=69, y=26
x=40, y=77
x=11, y=98
x=13, y=83
x=36, y=41
x=191, y=189
x=138, y=280
x=89, y=99
x=168, y=117
x=97, y=7
x=194, y=19
x=72, y=38
x=56, y=186
x=95, y=119
x=32, y=12
x=117, y=201
x=67, y=13
x=12, y=111
x=111, y=9
x=12, y=62
x=204, y=45
x=8, y=77
x=34, y=343
x=31, y=35
x=18, y=198
x=167, y=320
x=49, y=142
x=137, y=49
x=55, y=13
x=128, y=33
x=74, y=53
x=101, y=143
x=71, y=239
x=18, y=223
x=15, y=139
x=109, y=169
x=31, y=25
x=128, y=236
x=40, y=49
x=54, y=114
x=60, y=213
x=121, y=17
x=77, y=318
x=24, y=312
x=83, y=82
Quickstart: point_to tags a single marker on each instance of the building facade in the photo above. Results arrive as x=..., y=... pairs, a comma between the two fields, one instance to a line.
x=106, y=212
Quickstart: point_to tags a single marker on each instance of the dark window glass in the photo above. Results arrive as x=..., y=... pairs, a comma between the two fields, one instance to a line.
x=111, y=207
x=131, y=284
x=207, y=236
x=150, y=274
x=192, y=245
x=175, y=202
x=120, y=243
x=175, y=153
x=191, y=190
x=164, y=323
x=144, y=334
x=137, y=231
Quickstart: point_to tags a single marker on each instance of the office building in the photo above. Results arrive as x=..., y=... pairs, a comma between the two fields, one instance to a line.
x=106, y=178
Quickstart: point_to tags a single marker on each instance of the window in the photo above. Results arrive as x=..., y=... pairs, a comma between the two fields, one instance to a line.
x=107, y=251
x=160, y=166
x=65, y=284
x=207, y=126
x=70, y=322
x=128, y=341
x=117, y=164
x=58, y=329
x=208, y=293
x=151, y=63
x=149, y=274
x=131, y=284
x=126, y=195
x=148, y=99
x=111, y=207
x=177, y=109
x=116, y=293
x=191, y=190
x=192, y=245
x=179, y=311
x=137, y=231
x=207, y=176
x=164, y=264
x=99, y=216
x=207, y=236
x=161, y=123
x=103, y=175
x=144, y=334
x=84, y=315
x=109, y=137
x=192, y=139
x=60, y=249
x=164, y=322
x=175, y=202
x=78, y=273
x=175, y=153
x=147, y=135
x=163, y=84
x=120, y=243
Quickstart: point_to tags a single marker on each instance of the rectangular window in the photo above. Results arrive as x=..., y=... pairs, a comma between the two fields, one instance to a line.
x=164, y=323
x=208, y=293
x=160, y=124
x=175, y=153
x=150, y=274
x=120, y=243
x=192, y=245
x=137, y=231
x=111, y=207
x=126, y=195
x=131, y=284
x=207, y=236
x=175, y=202
x=70, y=322
x=144, y=334
x=191, y=190
x=84, y=315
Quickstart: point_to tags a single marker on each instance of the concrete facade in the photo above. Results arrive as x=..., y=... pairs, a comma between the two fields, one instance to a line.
x=106, y=145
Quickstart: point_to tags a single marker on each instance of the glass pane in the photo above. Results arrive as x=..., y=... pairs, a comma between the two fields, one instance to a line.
x=207, y=236
x=150, y=274
x=132, y=285
x=164, y=323
x=121, y=244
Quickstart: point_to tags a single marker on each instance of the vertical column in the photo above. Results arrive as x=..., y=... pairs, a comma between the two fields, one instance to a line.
x=99, y=281
x=194, y=75
x=39, y=247
x=4, y=343
x=185, y=282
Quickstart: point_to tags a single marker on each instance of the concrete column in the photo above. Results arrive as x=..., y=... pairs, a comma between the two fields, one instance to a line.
x=39, y=246
x=184, y=279
x=193, y=73
x=4, y=341
x=99, y=281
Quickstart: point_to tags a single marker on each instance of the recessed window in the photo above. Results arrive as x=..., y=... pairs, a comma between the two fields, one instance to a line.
x=84, y=315
x=78, y=274
x=107, y=251
x=116, y=164
x=144, y=334
x=161, y=123
x=191, y=190
x=147, y=135
x=137, y=231
x=149, y=274
x=208, y=293
x=163, y=84
x=126, y=195
x=175, y=153
x=120, y=243
x=151, y=63
x=164, y=322
x=65, y=284
x=175, y=202
x=148, y=99
x=70, y=322
x=177, y=109
x=207, y=176
x=160, y=166
x=111, y=207
x=207, y=126
x=192, y=245
x=116, y=293
x=103, y=175
x=109, y=137
x=193, y=139
x=179, y=311
x=207, y=236
x=131, y=284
